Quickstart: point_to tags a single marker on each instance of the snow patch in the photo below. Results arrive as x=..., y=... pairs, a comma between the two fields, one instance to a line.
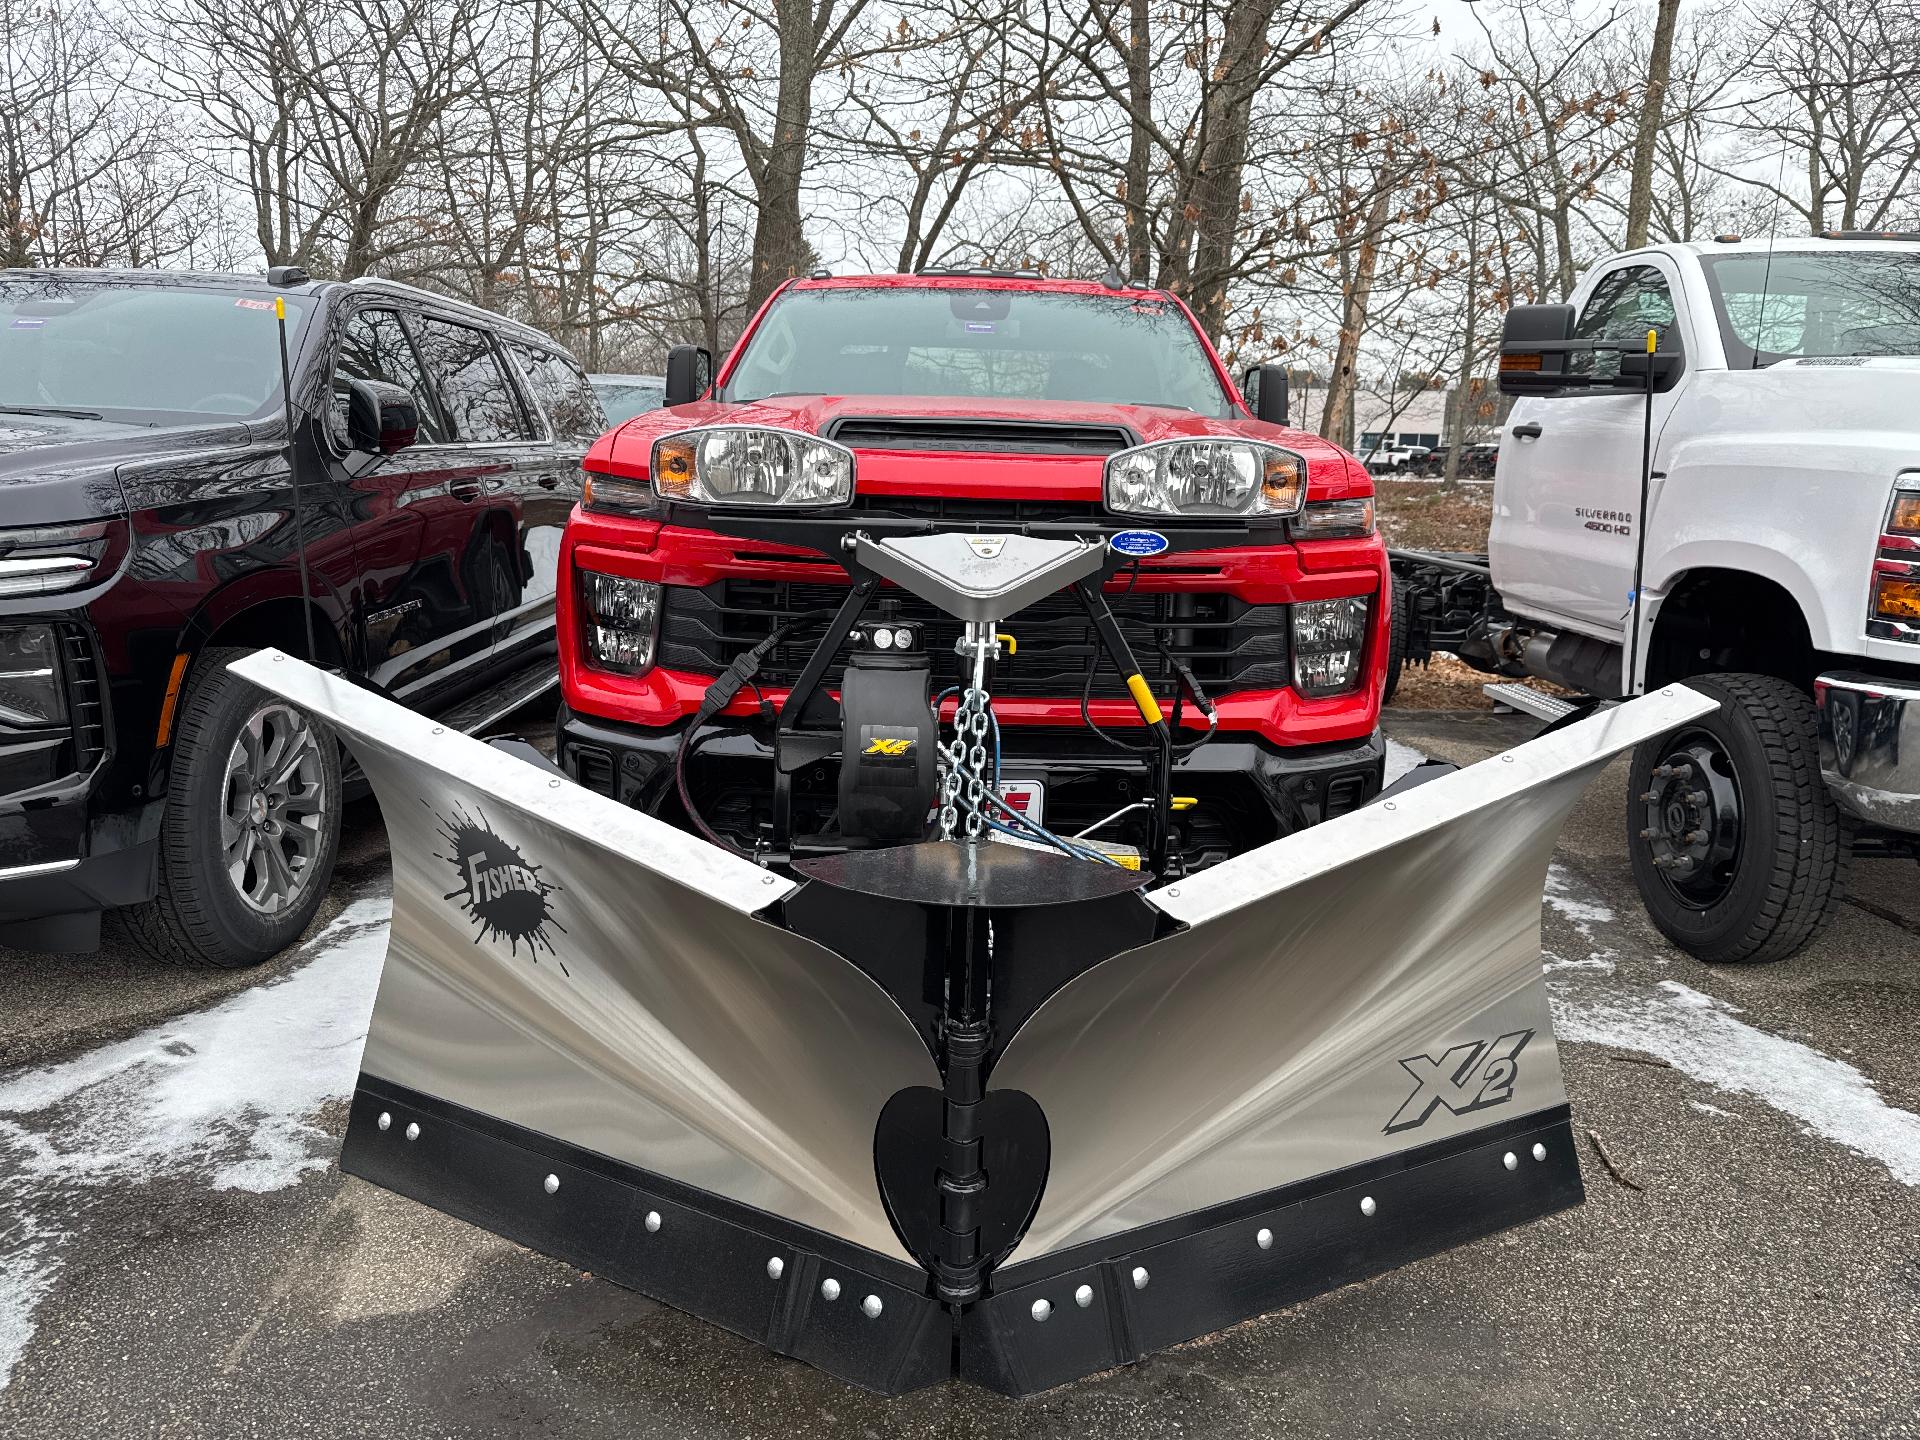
x=226, y=1093
x=1583, y=913
x=1706, y=1109
x=1704, y=1037
x=1401, y=759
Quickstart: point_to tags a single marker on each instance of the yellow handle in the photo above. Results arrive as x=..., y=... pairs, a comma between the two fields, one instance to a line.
x=1143, y=697
x=1013, y=645
x=1653, y=341
x=279, y=308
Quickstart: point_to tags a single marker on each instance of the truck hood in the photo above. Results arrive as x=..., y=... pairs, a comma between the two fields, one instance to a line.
x=933, y=451
x=57, y=468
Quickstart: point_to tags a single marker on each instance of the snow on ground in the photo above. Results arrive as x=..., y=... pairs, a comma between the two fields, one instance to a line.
x=226, y=1094
x=1401, y=759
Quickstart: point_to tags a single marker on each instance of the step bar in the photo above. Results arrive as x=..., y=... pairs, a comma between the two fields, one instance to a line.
x=1527, y=700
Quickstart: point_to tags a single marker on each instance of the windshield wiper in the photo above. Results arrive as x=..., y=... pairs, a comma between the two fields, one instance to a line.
x=52, y=410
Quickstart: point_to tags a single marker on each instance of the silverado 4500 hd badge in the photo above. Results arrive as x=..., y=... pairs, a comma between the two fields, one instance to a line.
x=499, y=890
x=1468, y=1077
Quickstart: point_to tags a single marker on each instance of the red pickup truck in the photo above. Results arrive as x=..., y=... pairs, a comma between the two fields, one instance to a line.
x=990, y=401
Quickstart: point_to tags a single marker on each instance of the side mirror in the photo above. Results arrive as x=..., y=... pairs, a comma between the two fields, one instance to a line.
x=1533, y=360
x=381, y=418
x=1265, y=387
x=689, y=373
x=1664, y=365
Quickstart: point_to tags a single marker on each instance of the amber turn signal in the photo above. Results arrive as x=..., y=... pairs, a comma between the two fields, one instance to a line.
x=673, y=467
x=1905, y=516
x=1897, y=597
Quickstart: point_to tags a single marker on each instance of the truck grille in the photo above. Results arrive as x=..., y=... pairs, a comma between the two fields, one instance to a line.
x=86, y=705
x=1229, y=643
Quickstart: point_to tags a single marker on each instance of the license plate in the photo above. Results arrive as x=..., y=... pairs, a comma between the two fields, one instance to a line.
x=1027, y=798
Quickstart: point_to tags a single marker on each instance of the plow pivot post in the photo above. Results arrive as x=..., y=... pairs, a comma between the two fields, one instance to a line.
x=964, y=1035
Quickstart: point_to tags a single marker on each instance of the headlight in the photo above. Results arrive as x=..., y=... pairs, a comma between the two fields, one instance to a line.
x=749, y=465
x=1205, y=477
x=1335, y=520
x=31, y=691
x=1329, y=637
x=50, y=558
x=620, y=619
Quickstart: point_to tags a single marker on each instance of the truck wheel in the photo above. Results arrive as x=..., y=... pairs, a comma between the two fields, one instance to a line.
x=251, y=829
x=1739, y=851
x=1396, y=644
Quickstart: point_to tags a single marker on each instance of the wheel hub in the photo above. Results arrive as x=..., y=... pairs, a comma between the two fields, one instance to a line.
x=1692, y=826
x=275, y=811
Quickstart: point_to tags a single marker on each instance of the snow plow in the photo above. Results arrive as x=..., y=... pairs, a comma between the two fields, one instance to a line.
x=961, y=1096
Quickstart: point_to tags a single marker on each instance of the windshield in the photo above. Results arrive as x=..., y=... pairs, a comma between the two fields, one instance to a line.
x=977, y=343
x=138, y=353
x=1866, y=303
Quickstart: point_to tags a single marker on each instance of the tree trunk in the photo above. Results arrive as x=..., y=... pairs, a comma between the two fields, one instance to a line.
x=1652, y=113
x=779, y=239
x=1336, y=421
x=1139, y=173
x=1223, y=161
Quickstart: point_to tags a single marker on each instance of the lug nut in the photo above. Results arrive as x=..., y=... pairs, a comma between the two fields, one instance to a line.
x=1696, y=837
x=1697, y=797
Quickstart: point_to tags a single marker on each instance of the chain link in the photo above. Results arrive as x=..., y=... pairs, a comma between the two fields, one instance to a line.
x=964, y=789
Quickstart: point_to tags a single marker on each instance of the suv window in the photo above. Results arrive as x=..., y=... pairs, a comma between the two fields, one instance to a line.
x=562, y=390
x=374, y=346
x=479, y=398
x=1625, y=305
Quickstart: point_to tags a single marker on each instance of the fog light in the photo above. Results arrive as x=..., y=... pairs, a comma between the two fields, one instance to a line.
x=1328, y=639
x=621, y=618
x=1897, y=597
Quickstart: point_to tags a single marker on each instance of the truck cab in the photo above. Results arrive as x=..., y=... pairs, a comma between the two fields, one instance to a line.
x=1745, y=517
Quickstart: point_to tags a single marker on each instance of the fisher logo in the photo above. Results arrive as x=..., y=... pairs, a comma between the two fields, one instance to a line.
x=500, y=890
x=1468, y=1077
x=987, y=547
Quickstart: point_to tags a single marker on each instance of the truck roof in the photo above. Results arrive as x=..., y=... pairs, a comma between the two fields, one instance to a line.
x=1805, y=244
x=976, y=280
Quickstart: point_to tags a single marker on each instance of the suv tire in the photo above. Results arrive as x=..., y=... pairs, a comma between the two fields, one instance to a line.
x=1397, y=622
x=1738, y=796
x=254, y=793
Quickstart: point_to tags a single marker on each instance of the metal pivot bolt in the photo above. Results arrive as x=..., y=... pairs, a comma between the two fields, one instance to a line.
x=871, y=1307
x=653, y=1222
x=385, y=1121
x=1367, y=1207
x=1083, y=1297
x=550, y=1184
x=1539, y=1151
x=829, y=1289
x=1264, y=1239
x=1510, y=1160
x=1140, y=1277
x=1041, y=1309
x=413, y=1130
x=776, y=1267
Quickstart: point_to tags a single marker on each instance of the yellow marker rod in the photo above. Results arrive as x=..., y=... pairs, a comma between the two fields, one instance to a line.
x=1143, y=697
x=1653, y=341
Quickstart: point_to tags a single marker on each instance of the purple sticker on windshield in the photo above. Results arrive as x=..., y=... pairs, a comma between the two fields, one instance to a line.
x=25, y=323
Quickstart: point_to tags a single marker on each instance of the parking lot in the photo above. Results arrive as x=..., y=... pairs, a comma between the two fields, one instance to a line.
x=179, y=1254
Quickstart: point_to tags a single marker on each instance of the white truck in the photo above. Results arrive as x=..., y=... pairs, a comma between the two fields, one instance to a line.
x=1755, y=481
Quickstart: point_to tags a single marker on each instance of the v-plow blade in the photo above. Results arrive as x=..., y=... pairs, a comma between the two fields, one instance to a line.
x=955, y=1107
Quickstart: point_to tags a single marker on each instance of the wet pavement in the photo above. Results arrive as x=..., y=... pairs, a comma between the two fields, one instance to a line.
x=179, y=1254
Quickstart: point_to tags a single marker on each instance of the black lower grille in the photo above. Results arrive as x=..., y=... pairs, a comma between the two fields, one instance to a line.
x=1229, y=643
x=86, y=705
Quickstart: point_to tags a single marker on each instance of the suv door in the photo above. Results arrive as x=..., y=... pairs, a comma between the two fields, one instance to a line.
x=417, y=618
x=475, y=536
x=574, y=419
x=1567, y=487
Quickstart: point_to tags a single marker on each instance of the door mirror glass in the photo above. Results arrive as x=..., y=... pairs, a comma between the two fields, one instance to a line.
x=381, y=418
x=689, y=373
x=1266, y=390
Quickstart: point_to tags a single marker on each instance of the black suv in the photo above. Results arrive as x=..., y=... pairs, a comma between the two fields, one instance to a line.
x=152, y=509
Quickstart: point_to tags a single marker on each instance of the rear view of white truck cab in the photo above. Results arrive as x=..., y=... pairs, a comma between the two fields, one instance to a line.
x=1781, y=566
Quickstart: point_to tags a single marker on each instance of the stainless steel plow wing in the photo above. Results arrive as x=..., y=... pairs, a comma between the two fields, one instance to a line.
x=962, y=1108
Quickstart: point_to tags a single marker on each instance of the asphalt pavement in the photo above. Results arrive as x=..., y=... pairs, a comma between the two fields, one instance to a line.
x=180, y=1256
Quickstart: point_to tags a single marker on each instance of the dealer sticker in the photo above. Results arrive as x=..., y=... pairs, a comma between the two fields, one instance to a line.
x=1139, y=542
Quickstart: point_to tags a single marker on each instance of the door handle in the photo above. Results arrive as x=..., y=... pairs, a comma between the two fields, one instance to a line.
x=549, y=482
x=1528, y=431
x=465, y=489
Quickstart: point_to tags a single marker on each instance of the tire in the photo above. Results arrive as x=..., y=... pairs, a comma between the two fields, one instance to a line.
x=1768, y=853
x=1396, y=644
x=200, y=915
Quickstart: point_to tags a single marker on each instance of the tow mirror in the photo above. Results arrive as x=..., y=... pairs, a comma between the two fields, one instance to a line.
x=1664, y=366
x=1265, y=388
x=1533, y=355
x=381, y=418
x=689, y=373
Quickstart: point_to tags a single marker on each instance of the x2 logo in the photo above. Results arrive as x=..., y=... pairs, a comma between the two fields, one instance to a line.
x=886, y=746
x=1468, y=1077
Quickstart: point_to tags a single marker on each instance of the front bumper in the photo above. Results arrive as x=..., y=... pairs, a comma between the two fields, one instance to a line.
x=1870, y=746
x=1298, y=785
